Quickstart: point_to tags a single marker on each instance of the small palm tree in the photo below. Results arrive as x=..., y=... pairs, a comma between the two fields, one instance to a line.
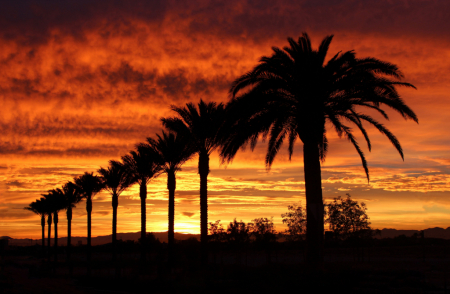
x=89, y=185
x=142, y=166
x=115, y=180
x=204, y=126
x=173, y=151
x=293, y=94
x=72, y=196
x=56, y=202
x=38, y=208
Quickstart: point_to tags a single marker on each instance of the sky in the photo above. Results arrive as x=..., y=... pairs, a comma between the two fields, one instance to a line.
x=82, y=82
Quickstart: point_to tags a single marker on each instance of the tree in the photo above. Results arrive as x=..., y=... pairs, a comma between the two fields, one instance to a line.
x=72, y=196
x=172, y=150
x=38, y=207
x=204, y=126
x=115, y=180
x=55, y=202
x=216, y=231
x=347, y=217
x=293, y=94
x=295, y=219
x=141, y=166
x=263, y=230
x=89, y=185
x=238, y=232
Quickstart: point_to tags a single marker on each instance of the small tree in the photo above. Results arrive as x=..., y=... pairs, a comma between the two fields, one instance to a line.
x=263, y=229
x=295, y=219
x=347, y=217
x=238, y=232
x=216, y=231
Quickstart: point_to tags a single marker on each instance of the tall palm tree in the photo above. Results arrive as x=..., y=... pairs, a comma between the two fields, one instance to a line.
x=115, y=180
x=294, y=93
x=89, y=185
x=56, y=202
x=173, y=151
x=38, y=208
x=72, y=196
x=204, y=126
x=142, y=166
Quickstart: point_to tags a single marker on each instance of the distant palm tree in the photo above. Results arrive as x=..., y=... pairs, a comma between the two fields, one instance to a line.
x=115, y=180
x=142, y=166
x=72, y=196
x=173, y=151
x=56, y=202
x=204, y=127
x=89, y=185
x=48, y=211
x=38, y=207
x=293, y=94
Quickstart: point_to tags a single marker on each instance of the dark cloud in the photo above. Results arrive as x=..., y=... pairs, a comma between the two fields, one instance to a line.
x=36, y=22
x=188, y=214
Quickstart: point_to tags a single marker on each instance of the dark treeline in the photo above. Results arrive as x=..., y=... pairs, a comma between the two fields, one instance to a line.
x=292, y=94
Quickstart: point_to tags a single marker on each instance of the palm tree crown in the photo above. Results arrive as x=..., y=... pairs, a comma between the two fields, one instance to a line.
x=293, y=94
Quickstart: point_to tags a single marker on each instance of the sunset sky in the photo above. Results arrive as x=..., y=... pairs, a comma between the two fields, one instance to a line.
x=82, y=82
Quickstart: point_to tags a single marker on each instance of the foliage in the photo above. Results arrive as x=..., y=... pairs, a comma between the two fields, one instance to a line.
x=295, y=219
x=263, y=229
x=238, y=232
x=216, y=231
x=347, y=218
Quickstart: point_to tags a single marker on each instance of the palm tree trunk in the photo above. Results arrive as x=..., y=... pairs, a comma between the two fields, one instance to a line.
x=69, y=231
x=171, y=186
x=203, y=170
x=115, y=204
x=49, y=223
x=143, y=195
x=89, y=211
x=43, y=231
x=314, y=205
x=55, y=221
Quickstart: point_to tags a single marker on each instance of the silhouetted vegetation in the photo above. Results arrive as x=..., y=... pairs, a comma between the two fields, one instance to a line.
x=289, y=95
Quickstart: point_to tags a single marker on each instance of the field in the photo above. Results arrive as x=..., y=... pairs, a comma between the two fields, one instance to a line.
x=400, y=265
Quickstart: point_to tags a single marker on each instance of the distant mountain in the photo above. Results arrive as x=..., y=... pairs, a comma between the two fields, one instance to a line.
x=162, y=236
x=429, y=233
x=100, y=240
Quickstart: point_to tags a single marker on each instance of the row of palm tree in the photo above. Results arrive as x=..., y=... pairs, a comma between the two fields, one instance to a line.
x=292, y=94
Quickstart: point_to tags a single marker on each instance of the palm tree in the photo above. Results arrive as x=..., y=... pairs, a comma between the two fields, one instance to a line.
x=173, y=151
x=48, y=211
x=56, y=202
x=142, y=166
x=89, y=185
x=204, y=127
x=38, y=207
x=72, y=196
x=115, y=180
x=294, y=93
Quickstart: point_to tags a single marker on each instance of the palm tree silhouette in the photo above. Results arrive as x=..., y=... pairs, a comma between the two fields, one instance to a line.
x=204, y=126
x=173, y=151
x=115, y=180
x=72, y=196
x=141, y=166
x=38, y=207
x=56, y=202
x=293, y=93
x=89, y=185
